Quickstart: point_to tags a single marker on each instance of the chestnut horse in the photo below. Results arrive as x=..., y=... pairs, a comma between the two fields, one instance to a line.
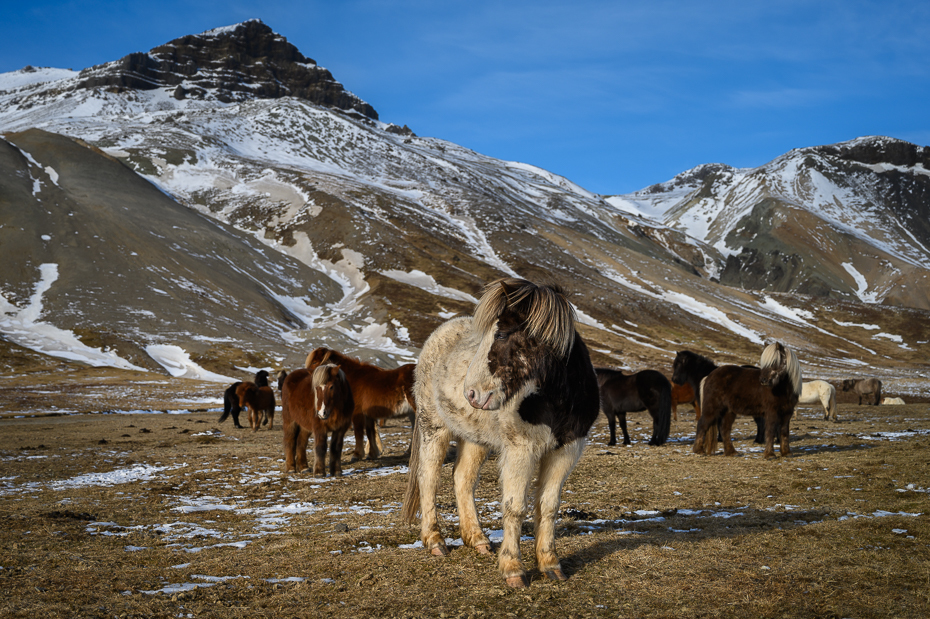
x=684, y=394
x=771, y=391
x=516, y=378
x=233, y=401
x=378, y=394
x=628, y=393
x=317, y=402
x=690, y=368
x=870, y=388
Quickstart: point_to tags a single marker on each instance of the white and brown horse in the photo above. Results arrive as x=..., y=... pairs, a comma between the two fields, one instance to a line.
x=516, y=378
x=820, y=391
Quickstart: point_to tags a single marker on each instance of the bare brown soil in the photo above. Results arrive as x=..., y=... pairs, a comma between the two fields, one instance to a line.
x=841, y=528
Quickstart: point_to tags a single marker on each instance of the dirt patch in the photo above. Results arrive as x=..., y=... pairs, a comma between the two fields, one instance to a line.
x=173, y=514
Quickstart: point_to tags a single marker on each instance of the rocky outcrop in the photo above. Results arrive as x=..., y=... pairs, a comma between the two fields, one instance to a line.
x=240, y=62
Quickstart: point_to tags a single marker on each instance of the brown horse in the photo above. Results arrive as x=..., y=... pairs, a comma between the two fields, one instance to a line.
x=684, y=394
x=260, y=402
x=318, y=402
x=378, y=394
x=628, y=393
x=870, y=388
x=771, y=391
x=232, y=398
x=690, y=368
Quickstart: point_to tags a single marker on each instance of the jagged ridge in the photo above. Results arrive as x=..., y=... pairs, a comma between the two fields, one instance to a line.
x=248, y=60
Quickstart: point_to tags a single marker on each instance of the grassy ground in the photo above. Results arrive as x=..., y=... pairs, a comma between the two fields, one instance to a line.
x=202, y=523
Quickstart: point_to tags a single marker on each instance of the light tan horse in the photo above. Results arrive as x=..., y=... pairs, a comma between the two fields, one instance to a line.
x=516, y=378
x=823, y=392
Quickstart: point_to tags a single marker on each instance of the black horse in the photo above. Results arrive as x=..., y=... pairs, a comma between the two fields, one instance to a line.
x=231, y=397
x=691, y=368
x=628, y=393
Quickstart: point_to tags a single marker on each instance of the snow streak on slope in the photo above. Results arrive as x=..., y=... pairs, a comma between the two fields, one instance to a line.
x=25, y=327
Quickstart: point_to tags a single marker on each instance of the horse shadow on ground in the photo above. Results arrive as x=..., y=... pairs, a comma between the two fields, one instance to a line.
x=671, y=528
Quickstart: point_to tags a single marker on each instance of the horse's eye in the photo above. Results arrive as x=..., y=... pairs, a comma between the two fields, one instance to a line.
x=501, y=335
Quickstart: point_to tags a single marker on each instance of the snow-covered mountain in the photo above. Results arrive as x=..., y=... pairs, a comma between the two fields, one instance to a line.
x=357, y=233
x=850, y=219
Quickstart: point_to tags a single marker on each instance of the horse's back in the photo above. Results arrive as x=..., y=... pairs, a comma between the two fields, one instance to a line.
x=730, y=385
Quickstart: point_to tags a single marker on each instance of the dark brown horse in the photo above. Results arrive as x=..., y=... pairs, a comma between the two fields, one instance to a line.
x=317, y=402
x=232, y=397
x=260, y=402
x=771, y=391
x=684, y=394
x=628, y=393
x=870, y=388
x=378, y=394
x=690, y=368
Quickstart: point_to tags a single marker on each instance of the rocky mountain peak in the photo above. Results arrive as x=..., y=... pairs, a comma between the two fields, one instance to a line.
x=244, y=61
x=873, y=150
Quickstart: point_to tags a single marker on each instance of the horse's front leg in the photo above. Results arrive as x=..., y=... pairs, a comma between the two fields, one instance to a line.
x=621, y=417
x=771, y=429
x=553, y=471
x=517, y=466
x=434, y=442
x=319, y=452
x=785, y=431
x=469, y=458
x=612, y=424
x=335, y=452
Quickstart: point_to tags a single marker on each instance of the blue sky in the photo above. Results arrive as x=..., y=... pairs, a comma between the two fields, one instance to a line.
x=614, y=95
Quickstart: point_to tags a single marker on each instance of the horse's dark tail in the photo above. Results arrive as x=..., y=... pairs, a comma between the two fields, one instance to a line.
x=412, y=495
x=230, y=402
x=662, y=422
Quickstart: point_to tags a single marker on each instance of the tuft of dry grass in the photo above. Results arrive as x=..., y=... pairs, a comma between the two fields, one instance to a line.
x=841, y=528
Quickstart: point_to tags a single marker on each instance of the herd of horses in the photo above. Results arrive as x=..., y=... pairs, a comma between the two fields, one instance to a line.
x=517, y=379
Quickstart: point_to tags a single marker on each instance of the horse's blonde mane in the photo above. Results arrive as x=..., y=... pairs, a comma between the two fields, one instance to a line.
x=548, y=316
x=771, y=358
x=321, y=374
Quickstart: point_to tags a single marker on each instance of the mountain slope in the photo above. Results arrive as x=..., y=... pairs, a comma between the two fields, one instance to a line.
x=394, y=232
x=126, y=266
x=847, y=220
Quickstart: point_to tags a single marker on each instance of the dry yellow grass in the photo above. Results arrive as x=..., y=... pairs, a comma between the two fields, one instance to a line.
x=217, y=531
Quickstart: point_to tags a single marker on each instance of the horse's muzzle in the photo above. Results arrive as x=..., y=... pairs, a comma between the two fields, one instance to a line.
x=483, y=401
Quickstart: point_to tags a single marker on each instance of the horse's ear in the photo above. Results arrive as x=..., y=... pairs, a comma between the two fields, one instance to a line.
x=326, y=357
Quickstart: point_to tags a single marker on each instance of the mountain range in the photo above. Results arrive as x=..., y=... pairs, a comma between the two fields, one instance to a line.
x=221, y=203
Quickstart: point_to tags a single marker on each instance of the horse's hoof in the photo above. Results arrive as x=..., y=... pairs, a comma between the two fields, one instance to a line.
x=518, y=582
x=439, y=551
x=556, y=574
x=484, y=549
